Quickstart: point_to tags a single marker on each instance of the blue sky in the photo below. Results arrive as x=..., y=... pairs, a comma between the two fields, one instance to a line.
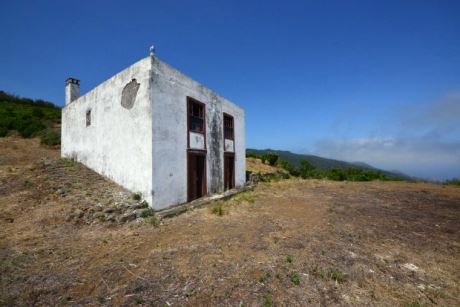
x=370, y=81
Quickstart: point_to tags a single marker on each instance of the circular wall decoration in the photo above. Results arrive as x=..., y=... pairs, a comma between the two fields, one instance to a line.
x=128, y=95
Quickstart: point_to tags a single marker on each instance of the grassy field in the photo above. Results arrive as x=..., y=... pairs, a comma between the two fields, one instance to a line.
x=287, y=243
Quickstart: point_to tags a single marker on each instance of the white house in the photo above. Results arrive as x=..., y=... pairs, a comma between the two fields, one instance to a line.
x=156, y=131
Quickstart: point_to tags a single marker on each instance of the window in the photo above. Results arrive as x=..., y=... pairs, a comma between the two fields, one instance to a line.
x=195, y=116
x=88, y=118
x=228, y=127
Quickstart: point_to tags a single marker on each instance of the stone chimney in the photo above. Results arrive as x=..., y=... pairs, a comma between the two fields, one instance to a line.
x=72, y=90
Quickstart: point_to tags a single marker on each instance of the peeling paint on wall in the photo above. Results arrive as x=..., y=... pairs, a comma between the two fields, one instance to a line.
x=129, y=93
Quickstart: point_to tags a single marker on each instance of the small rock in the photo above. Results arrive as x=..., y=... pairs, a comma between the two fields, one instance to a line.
x=411, y=267
x=98, y=215
x=78, y=213
x=127, y=217
x=110, y=210
x=111, y=218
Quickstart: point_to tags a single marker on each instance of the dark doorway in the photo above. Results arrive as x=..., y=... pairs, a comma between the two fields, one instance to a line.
x=229, y=171
x=196, y=175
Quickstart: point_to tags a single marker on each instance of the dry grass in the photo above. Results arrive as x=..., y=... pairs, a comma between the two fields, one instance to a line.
x=374, y=243
x=256, y=166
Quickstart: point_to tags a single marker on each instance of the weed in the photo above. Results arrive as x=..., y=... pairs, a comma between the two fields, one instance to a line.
x=333, y=274
x=137, y=286
x=289, y=258
x=245, y=197
x=218, y=209
x=295, y=278
x=434, y=292
x=138, y=299
x=147, y=212
x=144, y=205
x=154, y=221
x=50, y=137
x=267, y=301
x=136, y=196
x=26, y=183
x=264, y=277
x=100, y=298
x=413, y=304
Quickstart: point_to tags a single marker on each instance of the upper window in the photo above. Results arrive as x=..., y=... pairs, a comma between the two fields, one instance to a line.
x=228, y=127
x=88, y=118
x=196, y=116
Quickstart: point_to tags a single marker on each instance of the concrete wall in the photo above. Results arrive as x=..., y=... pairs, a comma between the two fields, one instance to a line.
x=169, y=104
x=118, y=143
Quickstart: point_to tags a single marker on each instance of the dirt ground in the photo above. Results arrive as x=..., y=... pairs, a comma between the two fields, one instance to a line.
x=287, y=243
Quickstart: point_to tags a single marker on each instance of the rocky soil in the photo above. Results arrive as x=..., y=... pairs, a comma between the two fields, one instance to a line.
x=65, y=240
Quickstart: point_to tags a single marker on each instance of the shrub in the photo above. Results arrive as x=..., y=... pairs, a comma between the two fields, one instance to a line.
x=147, y=212
x=306, y=169
x=267, y=301
x=3, y=131
x=289, y=258
x=154, y=221
x=271, y=158
x=38, y=113
x=30, y=127
x=453, y=181
x=136, y=196
x=295, y=278
x=218, y=209
x=252, y=155
x=288, y=167
x=50, y=137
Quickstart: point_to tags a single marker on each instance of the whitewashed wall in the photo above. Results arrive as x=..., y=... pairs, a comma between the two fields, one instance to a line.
x=118, y=143
x=145, y=148
x=169, y=97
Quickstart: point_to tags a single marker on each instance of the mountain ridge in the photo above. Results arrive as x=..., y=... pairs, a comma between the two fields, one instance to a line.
x=324, y=163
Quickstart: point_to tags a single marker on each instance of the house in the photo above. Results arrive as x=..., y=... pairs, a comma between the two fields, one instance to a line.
x=155, y=131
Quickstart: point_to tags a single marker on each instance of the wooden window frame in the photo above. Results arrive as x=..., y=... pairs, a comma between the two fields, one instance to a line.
x=226, y=115
x=188, y=101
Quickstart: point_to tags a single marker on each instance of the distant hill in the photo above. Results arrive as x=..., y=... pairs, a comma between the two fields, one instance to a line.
x=323, y=163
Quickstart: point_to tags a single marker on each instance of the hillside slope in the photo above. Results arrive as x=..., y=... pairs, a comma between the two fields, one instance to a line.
x=323, y=163
x=29, y=118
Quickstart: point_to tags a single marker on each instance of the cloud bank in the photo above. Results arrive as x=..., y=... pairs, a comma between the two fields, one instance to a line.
x=427, y=144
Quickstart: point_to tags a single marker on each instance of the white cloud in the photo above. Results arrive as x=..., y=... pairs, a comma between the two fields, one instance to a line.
x=427, y=144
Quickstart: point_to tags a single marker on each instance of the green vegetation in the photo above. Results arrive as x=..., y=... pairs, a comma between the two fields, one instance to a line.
x=289, y=258
x=295, y=278
x=144, y=204
x=30, y=118
x=333, y=274
x=308, y=170
x=264, y=277
x=293, y=161
x=269, y=157
x=154, y=221
x=245, y=197
x=453, y=181
x=218, y=209
x=147, y=213
x=267, y=300
x=100, y=298
x=268, y=177
x=138, y=299
x=136, y=196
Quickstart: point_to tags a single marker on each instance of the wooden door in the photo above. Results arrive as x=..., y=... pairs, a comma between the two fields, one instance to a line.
x=229, y=171
x=196, y=175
